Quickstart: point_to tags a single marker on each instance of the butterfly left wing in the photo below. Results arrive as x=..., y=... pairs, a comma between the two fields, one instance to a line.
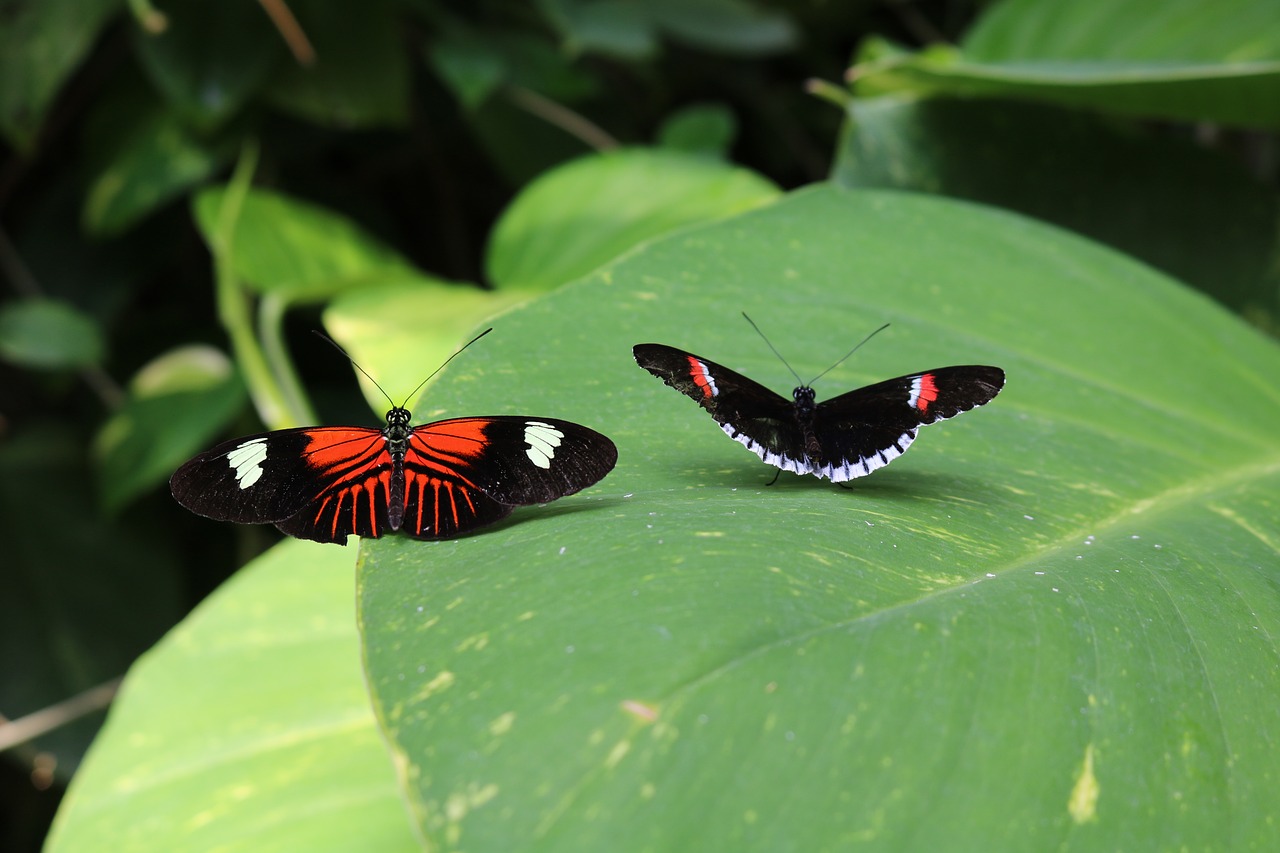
x=319, y=483
x=463, y=473
x=747, y=411
x=867, y=428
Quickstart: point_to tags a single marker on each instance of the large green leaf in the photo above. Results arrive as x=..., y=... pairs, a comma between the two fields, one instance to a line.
x=1052, y=624
x=247, y=728
x=1184, y=59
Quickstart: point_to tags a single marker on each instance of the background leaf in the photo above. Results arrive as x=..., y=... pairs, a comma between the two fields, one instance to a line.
x=1215, y=227
x=48, y=334
x=1104, y=65
x=82, y=600
x=40, y=46
x=360, y=77
x=1049, y=605
x=582, y=214
x=248, y=727
x=176, y=405
x=297, y=249
x=209, y=58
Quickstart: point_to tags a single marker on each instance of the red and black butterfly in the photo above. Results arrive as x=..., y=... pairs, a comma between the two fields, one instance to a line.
x=433, y=481
x=842, y=438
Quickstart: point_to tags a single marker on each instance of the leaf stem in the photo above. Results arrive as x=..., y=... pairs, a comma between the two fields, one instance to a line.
x=233, y=302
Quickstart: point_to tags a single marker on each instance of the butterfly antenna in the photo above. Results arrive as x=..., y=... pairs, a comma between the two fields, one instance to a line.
x=849, y=353
x=322, y=336
x=357, y=366
x=442, y=366
x=772, y=347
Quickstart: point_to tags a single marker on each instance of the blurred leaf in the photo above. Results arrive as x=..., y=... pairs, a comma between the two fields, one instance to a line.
x=159, y=161
x=49, y=335
x=1241, y=93
x=360, y=77
x=176, y=406
x=286, y=246
x=471, y=67
x=400, y=333
x=620, y=28
x=582, y=214
x=247, y=728
x=1229, y=31
x=210, y=58
x=83, y=595
x=1049, y=605
x=42, y=42
x=706, y=129
x=1213, y=227
x=727, y=26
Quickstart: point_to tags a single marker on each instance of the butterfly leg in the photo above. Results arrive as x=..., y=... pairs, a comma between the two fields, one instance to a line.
x=776, y=475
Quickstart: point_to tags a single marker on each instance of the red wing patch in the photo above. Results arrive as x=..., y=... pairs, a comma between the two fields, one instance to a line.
x=923, y=391
x=702, y=378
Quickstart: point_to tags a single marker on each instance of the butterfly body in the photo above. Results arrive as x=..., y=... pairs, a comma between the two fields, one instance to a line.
x=433, y=481
x=839, y=439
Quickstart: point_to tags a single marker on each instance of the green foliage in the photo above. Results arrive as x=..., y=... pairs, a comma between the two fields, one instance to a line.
x=45, y=334
x=544, y=239
x=248, y=727
x=190, y=188
x=1039, y=591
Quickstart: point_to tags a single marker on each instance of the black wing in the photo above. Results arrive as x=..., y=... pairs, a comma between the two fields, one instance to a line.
x=867, y=428
x=319, y=483
x=746, y=410
x=464, y=473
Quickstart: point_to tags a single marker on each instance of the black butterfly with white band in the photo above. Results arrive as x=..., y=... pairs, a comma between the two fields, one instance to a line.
x=843, y=438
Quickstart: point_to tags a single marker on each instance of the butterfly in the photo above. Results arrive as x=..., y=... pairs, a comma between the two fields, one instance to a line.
x=842, y=438
x=432, y=481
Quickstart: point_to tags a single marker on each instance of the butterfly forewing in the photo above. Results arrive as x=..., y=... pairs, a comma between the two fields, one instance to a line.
x=917, y=399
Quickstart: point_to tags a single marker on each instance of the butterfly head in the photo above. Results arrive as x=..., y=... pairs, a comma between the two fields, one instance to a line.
x=398, y=418
x=803, y=396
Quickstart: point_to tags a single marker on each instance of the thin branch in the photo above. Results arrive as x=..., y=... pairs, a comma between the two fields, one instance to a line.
x=33, y=725
x=290, y=30
x=562, y=117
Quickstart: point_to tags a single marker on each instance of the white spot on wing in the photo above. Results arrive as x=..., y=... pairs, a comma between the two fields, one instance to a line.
x=543, y=439
x=914, y=397
x=246, y=460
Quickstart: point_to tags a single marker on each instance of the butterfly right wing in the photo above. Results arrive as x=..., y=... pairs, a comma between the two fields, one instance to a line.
x=464, y=473
x=749, y=413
